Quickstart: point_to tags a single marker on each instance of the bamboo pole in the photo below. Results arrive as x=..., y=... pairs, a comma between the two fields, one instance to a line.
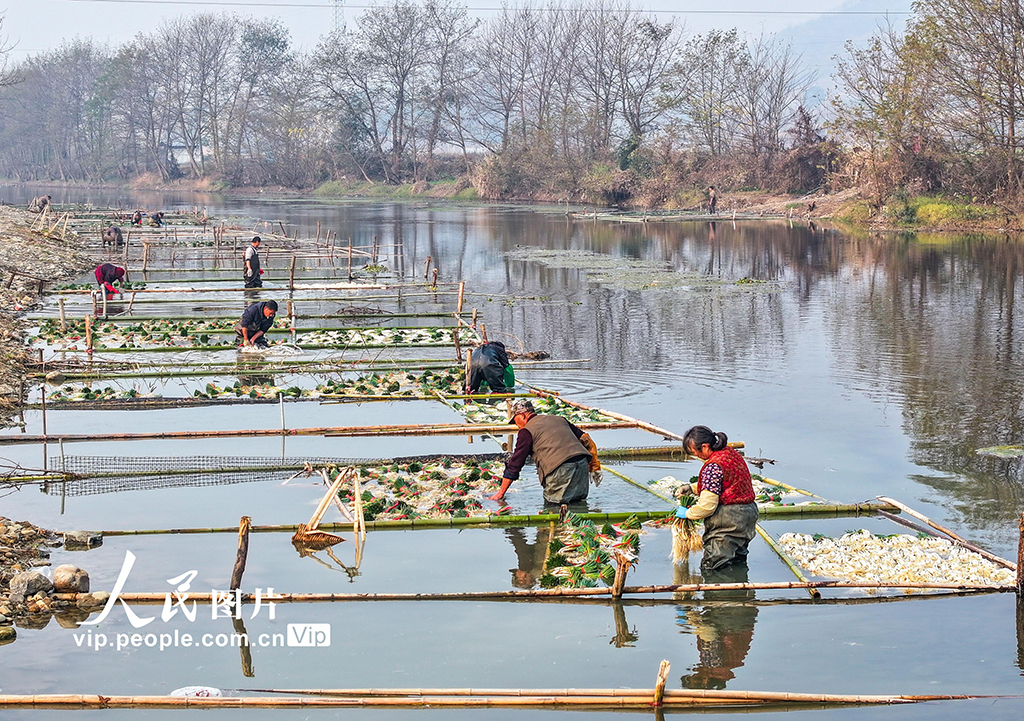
x=443, y=429
x=611, y=414
x=790, y=563
x=63, y=317
x=914, y=526
x=243, y=551
x=794, y=489
x=291, y=275
x=88, y=333
x=462, y=292
x=151, y=598
x=473, y=521
x=601, y=700
x=957, y=539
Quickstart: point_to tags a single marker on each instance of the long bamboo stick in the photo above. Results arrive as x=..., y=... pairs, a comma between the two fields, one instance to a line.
x=957, y=539
x=148, y=598
x=85, y=701
x=737, y=695
x=487, y=520
x=446, y=429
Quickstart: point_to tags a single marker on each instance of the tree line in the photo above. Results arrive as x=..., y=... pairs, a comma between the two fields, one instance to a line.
x=575, y=99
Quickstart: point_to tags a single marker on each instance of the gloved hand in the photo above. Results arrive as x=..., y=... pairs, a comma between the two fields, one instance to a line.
x=685, y=489
x=261, y=271
x=681, y=512
x=588, y=443
x=597, y=476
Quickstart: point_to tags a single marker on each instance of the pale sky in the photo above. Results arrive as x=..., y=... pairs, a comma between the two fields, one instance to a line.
x=35, y=26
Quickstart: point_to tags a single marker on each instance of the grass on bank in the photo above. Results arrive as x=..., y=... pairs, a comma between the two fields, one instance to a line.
x=928, y=211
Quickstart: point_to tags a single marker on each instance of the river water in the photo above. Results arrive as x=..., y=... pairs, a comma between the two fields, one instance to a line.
x=862, y=364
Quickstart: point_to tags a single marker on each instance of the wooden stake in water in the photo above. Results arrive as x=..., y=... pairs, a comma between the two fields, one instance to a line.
x=433, y=282
x=458, y=348
x=318, y=232
x=659, y=686
x=483, y=332
x=374, y=257
x=1020, y=560
x=462, y=290
x=63, y=318
x=350, y=259
x=94, y=303
x=426, y=267
x=243, y=551
x=88, y=333
x=291, y=274
x=43, y=405
x=145, y=255
x=473, y=323
x=104, y=304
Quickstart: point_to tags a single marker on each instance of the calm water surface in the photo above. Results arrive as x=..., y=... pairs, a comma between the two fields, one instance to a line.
x=863, y=365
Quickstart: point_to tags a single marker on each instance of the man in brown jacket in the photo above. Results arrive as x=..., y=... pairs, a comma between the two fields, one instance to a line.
x=564, y=455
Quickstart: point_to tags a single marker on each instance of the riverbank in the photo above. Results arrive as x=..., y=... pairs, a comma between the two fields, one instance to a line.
x=853, y=207
x=32, y=256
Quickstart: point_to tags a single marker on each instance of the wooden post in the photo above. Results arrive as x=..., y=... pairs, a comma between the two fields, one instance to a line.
x=483, y=332
x=462, y=290
x=433, y=281
x=88, y=333
x=473, y=324
x=426, y=267
x=243, y=552
x=659, y=686
x=131, y=301
x=458, y=348
x=42, y=388
x=63, y=318
x=283, y=231
x=104, y=304
x=374, y=256
x=1020, y=560
x=350, y=259
x=318, y=232
x=94, y=305
x=291, y=274
x=145, y=256
x=621, y=569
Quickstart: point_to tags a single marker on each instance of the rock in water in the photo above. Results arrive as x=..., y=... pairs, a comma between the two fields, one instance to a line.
x=7, y=634
x=69, y=578
x=27, y=584
x=81, y=539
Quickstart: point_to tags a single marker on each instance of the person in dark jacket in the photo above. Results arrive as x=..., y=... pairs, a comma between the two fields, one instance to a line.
x=257, y=319
x=251, y=270
x=108, y=274
x=489, y=364
x=565, y=456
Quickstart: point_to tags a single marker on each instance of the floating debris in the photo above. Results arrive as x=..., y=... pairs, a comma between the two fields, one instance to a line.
x=863, y=556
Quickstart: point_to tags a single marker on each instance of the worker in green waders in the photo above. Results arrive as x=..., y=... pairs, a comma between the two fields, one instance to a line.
x=489, y=370
x=725, y=499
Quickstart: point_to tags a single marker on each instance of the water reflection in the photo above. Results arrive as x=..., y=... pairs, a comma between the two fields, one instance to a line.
x=724, y=631
x=531, y=556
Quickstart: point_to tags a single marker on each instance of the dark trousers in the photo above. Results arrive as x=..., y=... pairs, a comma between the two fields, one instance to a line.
x=727, y=533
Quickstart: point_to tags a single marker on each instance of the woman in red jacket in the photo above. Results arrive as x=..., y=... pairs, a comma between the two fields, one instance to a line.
x=725, y=499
